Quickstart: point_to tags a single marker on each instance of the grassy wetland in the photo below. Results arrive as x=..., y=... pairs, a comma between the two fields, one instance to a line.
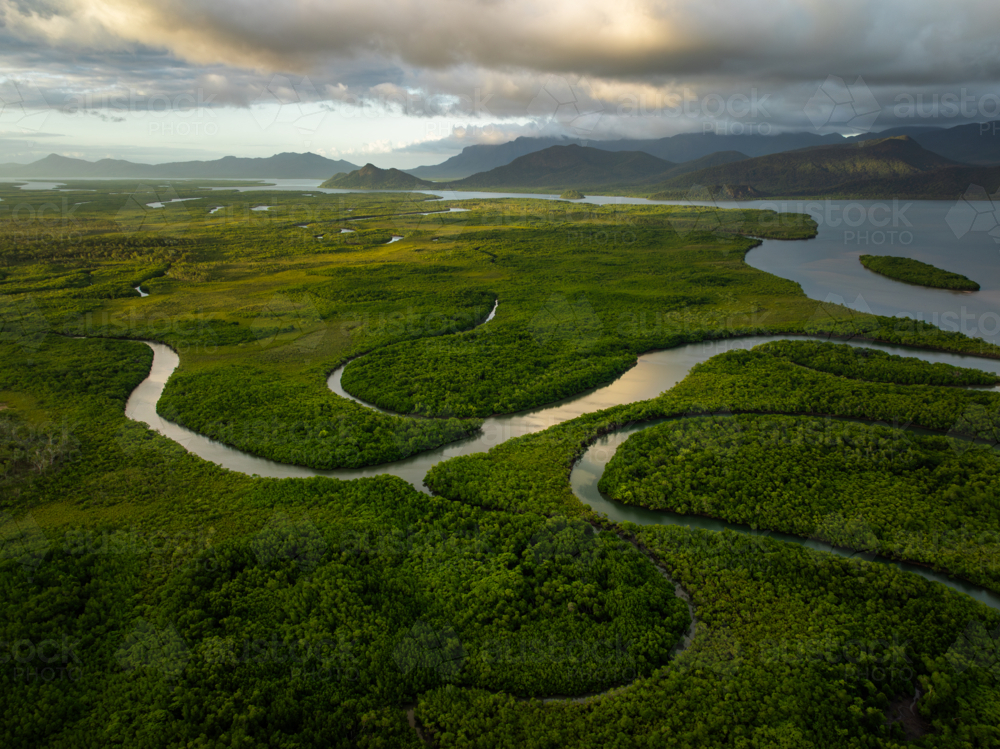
x=157, y=600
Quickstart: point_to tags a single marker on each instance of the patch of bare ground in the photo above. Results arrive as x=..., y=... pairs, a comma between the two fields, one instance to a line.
x=904, y=711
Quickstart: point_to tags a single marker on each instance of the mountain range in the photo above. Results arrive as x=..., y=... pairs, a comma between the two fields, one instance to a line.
x=675, y=149
x=560, y=167
x=915, y=161
x=553, y=169
x=895, y=166
x=886, y=167
x=279, y=166
x=975, y=143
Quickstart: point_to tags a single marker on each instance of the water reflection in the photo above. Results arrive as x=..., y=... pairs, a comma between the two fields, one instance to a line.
x=828, y=269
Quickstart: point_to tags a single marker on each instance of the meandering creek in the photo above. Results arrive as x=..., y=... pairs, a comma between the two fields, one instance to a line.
x=654, y=373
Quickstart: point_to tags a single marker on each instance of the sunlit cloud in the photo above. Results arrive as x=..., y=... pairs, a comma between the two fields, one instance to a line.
x=344, y=76
x=883, y=39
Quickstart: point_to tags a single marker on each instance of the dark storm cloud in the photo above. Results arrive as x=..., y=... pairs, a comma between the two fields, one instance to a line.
x=903, y=41
x=584, y=68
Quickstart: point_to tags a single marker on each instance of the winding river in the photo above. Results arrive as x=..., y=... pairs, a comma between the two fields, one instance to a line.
x=654, y=373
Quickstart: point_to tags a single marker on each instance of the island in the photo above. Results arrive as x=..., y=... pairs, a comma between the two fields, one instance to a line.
x=915, y=272
x=572, y=195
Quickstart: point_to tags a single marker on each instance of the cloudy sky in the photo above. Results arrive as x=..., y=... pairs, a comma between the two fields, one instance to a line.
x=404, y=83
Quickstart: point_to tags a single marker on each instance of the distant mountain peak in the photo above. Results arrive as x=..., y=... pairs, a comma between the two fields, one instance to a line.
x=569, y=166
x=58, y=157
x=285, y=165
x=370, y=177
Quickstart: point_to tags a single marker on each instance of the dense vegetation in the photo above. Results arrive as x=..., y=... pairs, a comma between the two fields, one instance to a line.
x=873, y=365
x=256, y=303
x=554, y=337
x=294, y=423
x=572, y=195
x=530, y=472
x=179, y=603
x=350, y=600
x=246, y=297
x=25, y=449
x=544, y=354
x=159, y=601
x=913, y=271
x=873, y=489
x=797, y=649
x=153, y=599
x=759, y=381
